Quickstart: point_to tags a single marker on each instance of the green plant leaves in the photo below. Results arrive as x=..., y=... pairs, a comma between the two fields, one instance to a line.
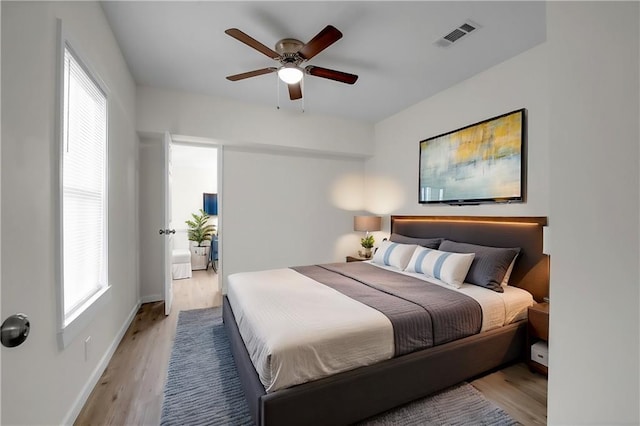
x=199, y=228
x=367, y=242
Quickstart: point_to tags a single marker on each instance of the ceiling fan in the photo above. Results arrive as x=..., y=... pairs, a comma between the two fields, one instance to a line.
x=291, y=54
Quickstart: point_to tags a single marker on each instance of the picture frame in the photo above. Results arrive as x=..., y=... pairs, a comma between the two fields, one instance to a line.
x=210, y=203
x=484, y=162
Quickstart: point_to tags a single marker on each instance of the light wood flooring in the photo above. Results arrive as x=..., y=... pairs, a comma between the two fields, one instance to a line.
x=518, y=391
x=130, y=390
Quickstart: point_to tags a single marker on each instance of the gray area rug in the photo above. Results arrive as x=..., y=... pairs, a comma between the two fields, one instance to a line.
x=202, y=386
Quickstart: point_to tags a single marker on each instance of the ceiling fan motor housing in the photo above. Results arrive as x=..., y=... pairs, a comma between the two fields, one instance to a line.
x=288, y=45
x=288, y=49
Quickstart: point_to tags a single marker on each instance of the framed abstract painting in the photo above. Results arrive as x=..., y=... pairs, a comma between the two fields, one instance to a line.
x=480, y=163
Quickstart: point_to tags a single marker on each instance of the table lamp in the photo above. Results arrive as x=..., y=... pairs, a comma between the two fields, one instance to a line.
x=367, y=224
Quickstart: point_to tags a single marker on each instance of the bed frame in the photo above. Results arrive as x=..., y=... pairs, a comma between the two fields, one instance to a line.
x=354, y=395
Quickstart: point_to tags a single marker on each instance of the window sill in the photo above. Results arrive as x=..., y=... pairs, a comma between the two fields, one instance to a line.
x=83, y=317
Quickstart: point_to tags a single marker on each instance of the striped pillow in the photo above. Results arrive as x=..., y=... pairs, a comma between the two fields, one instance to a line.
x=394, y=254
x=451, y=268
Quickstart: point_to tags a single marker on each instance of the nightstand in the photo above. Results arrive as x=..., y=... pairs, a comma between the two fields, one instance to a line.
x=356, y=259
x=538, y=335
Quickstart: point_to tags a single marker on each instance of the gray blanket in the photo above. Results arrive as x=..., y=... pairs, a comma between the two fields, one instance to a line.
x=422, y=314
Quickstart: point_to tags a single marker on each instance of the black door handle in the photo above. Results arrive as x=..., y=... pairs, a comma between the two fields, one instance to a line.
x=14, y=330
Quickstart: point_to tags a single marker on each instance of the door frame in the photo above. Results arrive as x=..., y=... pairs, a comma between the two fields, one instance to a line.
x=219, y=146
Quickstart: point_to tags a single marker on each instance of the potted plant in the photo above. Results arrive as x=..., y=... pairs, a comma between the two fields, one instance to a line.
x=199, y=229
x=367, y=244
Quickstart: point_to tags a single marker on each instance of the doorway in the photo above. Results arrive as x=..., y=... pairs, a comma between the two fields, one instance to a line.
x=156, y=260
x=194, y=212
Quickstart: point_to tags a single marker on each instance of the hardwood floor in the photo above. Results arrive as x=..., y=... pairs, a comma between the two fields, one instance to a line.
x=518, y=391
x=130, y=390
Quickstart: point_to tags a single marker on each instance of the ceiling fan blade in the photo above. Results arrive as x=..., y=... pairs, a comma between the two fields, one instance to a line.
x=340, y=76
x=254, y=73
x=321, y=41
x=295, y=91
x=252, y=42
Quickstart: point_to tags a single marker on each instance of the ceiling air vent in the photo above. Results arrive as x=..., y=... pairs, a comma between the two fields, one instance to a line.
x=457, y=34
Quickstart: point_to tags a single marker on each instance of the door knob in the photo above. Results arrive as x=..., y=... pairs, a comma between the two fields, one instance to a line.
x=14, y=330
x=167, y=231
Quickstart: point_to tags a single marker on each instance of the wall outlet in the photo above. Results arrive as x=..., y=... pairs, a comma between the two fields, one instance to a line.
x=87, y=348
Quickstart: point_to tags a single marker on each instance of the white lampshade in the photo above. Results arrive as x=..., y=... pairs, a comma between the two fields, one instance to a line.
x=290, y=74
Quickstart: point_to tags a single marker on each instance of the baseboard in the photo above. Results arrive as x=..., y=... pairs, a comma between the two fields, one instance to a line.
x=151, y=298
x=73, y=413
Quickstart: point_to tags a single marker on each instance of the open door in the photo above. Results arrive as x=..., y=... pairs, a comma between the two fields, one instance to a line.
x=168, y=230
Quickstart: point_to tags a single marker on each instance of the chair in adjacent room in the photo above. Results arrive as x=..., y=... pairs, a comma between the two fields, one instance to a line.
x=213, y=253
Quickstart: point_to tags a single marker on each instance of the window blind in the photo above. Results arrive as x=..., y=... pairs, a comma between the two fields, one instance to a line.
x=84, y=154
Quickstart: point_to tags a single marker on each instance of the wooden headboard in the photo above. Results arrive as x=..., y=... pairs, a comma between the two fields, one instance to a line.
x=531, y=270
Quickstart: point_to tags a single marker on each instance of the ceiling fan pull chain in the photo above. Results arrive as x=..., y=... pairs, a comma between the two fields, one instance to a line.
x=302, y=88
x=278, y=91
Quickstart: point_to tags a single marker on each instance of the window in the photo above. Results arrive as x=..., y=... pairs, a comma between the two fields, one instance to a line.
x=83, y=189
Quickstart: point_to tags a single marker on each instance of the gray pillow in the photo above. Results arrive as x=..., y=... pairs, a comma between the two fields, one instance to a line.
x=431, y=243
x=489, y=265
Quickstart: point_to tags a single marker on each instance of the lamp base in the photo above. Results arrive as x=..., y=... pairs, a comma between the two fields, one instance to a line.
x=365, y=253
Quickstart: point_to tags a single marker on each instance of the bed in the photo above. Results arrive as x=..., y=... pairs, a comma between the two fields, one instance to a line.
x=378, y=385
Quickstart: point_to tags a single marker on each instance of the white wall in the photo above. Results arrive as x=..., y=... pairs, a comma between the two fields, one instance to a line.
x=194, y=172
x=284, y=210
x=593, y=139
x=42, y=384
x=521, y=82
x=183, y=113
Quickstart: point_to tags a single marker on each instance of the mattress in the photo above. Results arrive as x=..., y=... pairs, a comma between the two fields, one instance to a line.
x=298, y=330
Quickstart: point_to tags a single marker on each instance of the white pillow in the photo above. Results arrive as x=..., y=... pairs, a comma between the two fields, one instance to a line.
x=394, y=254
x=451, y=268
x=507, y=275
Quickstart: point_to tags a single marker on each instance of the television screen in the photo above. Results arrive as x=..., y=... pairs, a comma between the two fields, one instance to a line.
x=210, y=204
x=479, y=163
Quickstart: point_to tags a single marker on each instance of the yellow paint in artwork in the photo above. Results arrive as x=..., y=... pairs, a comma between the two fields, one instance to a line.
x=491, y=140
x=507, y=134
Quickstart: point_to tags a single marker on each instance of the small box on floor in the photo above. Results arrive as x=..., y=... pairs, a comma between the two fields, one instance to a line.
x=540, y=353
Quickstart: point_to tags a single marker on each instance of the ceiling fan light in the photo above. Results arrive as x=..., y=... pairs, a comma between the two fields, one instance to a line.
x=290, y=74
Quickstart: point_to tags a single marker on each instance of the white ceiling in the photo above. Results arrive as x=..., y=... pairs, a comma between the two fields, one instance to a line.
x=182, y=45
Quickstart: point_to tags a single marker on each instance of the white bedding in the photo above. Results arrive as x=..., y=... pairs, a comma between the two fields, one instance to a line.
x=297, y=330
